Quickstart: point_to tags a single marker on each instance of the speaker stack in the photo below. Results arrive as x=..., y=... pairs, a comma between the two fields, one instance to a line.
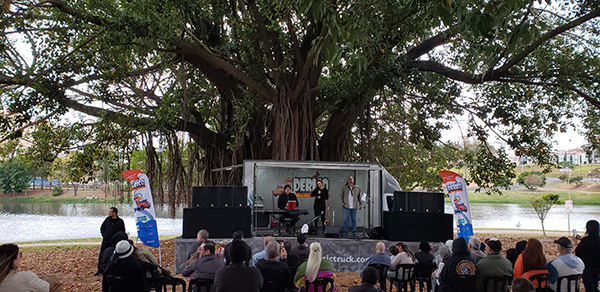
x=416, y=216
x=221, y=210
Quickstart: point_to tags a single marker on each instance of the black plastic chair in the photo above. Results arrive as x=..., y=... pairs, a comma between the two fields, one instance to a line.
x=381, y=274
x=540, y=281
x=164, y=283
x=497, y=284
x=572, y=283
x=319, y=285
x=403, y=276
x=423, y=276
x=201, y=285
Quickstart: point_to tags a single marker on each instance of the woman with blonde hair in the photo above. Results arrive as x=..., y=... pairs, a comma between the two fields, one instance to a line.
x=315, y=267
x=12, y=280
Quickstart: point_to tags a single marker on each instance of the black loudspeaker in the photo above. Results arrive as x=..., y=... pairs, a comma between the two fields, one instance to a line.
x=432, y=227
x=376, y=233
x=414, y=202
x=262, y=219
x=198, y=197
x=400, y=201
x=219, y=222
x=226, y=196
x=240, y=196
x=438, y=203
x=332, y=231
x=427, y=202
x=212, y=197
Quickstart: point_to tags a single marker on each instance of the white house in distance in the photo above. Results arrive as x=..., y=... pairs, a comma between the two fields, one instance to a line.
x=575, y=156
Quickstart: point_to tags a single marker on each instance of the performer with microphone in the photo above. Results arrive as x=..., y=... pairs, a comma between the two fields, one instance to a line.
x=320, y=194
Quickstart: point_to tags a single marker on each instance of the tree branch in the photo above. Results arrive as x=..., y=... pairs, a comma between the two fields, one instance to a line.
x=430, y=44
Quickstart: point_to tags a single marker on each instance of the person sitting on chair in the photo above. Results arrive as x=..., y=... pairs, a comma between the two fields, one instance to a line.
x=369, y=279
x=315, y=267
x=493, y=265
x=565, y=265
x=206, y=265
x=237, y=276
x=276, y=274
x=125, y=274
x=282, y=202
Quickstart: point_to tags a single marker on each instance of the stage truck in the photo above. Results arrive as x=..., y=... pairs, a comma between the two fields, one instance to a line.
x=265, y=180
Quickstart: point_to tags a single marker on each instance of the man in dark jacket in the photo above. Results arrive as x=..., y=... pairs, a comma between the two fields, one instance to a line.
x=238, y=277
x=282, y=203
x=458, y=274
x=206, y=265
x=276, y=275
x=111, y=225
x=302, y=249
x=369, y=279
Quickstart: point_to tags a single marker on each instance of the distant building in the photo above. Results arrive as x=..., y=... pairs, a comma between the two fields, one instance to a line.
x=575, y=156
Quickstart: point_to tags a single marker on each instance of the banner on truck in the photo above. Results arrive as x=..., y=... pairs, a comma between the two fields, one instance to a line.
x=457, y=191
x=143, y=205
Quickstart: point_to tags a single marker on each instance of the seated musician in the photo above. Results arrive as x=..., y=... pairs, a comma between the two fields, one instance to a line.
x=286, y=201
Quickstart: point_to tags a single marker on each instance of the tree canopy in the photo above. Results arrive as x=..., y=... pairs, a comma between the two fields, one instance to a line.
x=308, y=80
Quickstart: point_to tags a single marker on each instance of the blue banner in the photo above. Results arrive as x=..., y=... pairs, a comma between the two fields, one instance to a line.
x=457, y=191
x=143, y=205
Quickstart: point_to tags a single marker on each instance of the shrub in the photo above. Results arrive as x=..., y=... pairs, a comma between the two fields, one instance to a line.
x=57, y=191
x=532, y=179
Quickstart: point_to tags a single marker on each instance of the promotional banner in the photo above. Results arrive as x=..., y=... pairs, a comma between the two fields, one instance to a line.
x=457, y=191
x=143, y=205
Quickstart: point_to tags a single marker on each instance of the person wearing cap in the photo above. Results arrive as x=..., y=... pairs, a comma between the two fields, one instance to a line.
x=369, y=279
x=493, y=265
x=475, y=249
x=125, y=274
x=565, y=265
x=237, y=276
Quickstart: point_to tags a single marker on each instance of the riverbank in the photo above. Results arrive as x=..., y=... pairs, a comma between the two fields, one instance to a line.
x=75, y=262
x=583, y=194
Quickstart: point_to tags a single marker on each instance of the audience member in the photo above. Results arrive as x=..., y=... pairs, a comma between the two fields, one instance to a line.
x=201, y=236
x=125, y=274
x=293, y=261
x=369, y=279
x=275, y=273
x=393, y=252
x=111, y=225
x=522, y=284
x=513, y=253
x=493, y=265
x=589, y=251
x=239, y=235
x=565, y=265
x=151, y=268
x=444, y=254
x=143, y=254
x=474, y=249
x=424, y=256
x=262, y=254
x=404, y=257
x=206, y=265
x=107, y=255
x=302, y=249
x=11, y=280
x=459, y=271
x=237, y=276
x=379, y=256
x=315, y=267
x=531, y=262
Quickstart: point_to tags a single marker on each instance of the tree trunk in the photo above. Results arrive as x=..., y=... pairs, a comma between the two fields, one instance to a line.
x=33, y=185
x=333, y=145
x=543, y=230
x=75, y=187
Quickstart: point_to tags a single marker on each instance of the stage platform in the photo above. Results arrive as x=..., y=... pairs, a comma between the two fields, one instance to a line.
x=347, y=254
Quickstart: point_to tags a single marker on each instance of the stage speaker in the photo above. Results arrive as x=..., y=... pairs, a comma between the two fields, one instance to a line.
x=438, y=203
x=333, y=231
x=226, y=196
x=432, y=227
x=376, y=233
x=212, y=197
x=400, y=201
x=240, y=196
x=262, y=219
x=426, y=202
x=198, y=197
x=219, y=222
x=414, y=202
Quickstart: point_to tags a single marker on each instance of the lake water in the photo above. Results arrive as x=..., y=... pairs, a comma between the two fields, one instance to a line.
x=49, y=221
